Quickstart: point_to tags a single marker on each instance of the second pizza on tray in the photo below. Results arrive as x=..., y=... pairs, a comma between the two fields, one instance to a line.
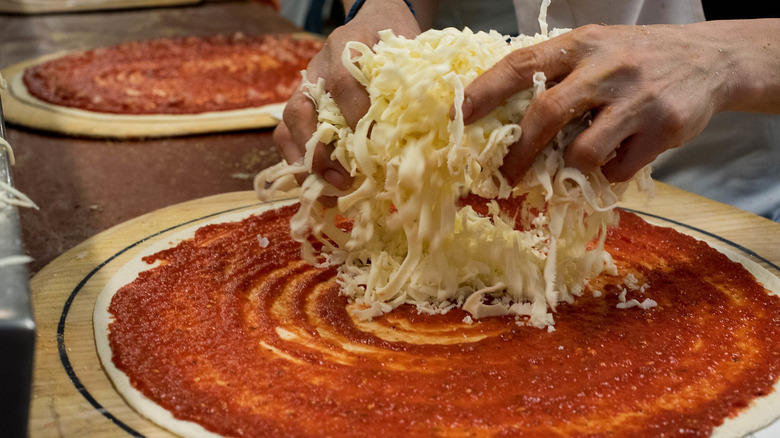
x=160, y=87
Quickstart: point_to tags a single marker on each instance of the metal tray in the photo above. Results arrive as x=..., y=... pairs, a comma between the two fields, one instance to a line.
x=17, y=326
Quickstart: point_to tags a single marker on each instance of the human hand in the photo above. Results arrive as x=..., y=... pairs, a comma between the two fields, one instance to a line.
x=300, y=116
x=648, y=88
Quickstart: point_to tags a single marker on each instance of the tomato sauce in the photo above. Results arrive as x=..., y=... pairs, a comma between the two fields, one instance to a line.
x=250, y=341
x=189, y=75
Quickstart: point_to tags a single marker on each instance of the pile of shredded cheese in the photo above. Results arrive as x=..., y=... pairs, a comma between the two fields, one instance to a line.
x=410, y=242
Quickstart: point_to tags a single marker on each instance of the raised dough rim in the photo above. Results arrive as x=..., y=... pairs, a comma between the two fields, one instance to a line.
x=759, y=420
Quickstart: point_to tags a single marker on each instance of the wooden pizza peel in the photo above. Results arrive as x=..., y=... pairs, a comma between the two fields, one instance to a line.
x=72, y=396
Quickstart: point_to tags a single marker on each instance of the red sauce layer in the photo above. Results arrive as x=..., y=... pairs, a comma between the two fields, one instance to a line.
x=250, y=341
x=176, y=75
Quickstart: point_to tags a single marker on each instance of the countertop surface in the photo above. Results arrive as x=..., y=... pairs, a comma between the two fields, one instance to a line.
x=84, y=186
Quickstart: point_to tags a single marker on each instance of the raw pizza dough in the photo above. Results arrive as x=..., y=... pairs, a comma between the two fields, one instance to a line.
x=763, y=412
x=24, y=109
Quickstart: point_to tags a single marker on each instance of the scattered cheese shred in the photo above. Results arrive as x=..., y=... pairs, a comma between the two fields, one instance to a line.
x=8, y=194
x=646, y=304
x=15, y=260
x=410, y=242
x=5, y=146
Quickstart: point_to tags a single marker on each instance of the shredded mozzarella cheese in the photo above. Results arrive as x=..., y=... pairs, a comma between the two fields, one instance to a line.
x=646, y=304
x=15, y=260
x=8, y=194
x=410, y=242
x=11, y=196
x=5, y=146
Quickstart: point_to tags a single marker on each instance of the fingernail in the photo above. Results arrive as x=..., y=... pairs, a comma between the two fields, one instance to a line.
x=468, y=110
x=336, y=179
x=510, y=176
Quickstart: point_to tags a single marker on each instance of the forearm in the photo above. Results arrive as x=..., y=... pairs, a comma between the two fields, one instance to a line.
x=424, y=10
x=750, y=67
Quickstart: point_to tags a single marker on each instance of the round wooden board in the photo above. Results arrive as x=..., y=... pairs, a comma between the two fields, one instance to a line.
x=72, y=396
x=23, y=109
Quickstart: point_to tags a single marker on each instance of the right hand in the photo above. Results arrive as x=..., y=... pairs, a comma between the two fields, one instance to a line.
x=300, y=116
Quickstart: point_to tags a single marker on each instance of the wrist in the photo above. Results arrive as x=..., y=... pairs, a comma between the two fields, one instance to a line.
x=393, y=10
x=752, y=79
x=356, y=6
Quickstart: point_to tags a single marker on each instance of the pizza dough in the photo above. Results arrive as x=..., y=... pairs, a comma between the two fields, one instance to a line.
x=761, y=412
x=22, y=108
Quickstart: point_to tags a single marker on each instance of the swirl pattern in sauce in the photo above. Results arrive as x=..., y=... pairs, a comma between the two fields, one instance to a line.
x=250, y=341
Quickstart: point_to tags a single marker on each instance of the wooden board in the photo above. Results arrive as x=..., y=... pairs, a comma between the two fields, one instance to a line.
x=49, y=6
x=73, y=397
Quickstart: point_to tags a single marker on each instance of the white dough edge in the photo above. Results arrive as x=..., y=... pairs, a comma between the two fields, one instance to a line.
x=758, y=420
x=101, y=319
x=761, y=415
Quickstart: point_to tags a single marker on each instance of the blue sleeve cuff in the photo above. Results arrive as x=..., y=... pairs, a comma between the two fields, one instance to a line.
x=359, y=3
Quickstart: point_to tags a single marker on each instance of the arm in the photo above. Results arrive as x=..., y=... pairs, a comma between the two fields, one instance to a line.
x=649, y=88
x=300, y=118
x=424, y=10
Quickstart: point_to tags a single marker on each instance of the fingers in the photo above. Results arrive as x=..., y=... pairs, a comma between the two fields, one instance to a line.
x=619, y=142
x=330, y=170
x=292, y=154
x=630, y=158
x=299, y=121
x=515, y=73
x=350, y=96
x=599, y=142
x=290, y=143
x=300, y=113
x=288, y=149
x=638, y=150
x=544, y=118
x=300, y=116
x=617, y=139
